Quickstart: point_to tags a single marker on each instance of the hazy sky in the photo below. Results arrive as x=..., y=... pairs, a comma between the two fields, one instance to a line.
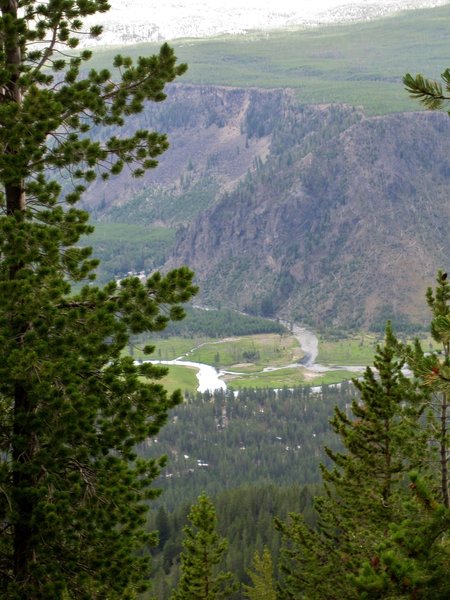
x=171, y=19
x=156, y=10
x=297, y=6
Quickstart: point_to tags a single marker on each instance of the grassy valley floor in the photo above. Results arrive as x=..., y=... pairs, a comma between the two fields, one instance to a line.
x=265, y=360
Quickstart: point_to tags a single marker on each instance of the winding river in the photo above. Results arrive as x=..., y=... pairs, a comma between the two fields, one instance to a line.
x=210, y=379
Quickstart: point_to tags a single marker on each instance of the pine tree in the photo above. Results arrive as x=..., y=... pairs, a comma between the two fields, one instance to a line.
x=72, y=406
x=261, y=575
x=429, y=92
x=434, y=369
x=163, y=526
x=365, y=488
x=203, y=552
x=413, y=561
x=382, y=441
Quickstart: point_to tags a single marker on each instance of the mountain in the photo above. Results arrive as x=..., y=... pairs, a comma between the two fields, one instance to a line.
x=315, y=212
x=342, y=223
x=209, y=154
x=136, y=21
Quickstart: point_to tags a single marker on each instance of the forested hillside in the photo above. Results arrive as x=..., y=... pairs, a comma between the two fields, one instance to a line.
x=245, y=518
x=226, y=440
x=321, y=229
x=310, y=212
x=256, y=453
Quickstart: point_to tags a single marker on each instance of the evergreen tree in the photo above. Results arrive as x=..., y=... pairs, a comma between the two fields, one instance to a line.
x=414, y=560
x=382, y=442
x=72, y=406
x=434, y=370
x=432, y=94
x=163, y=526
x=365, y=489
x=203, y=552
x=261, y=575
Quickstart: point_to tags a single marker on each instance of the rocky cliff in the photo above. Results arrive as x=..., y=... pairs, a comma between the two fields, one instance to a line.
x=313, y=212
x=343, y=223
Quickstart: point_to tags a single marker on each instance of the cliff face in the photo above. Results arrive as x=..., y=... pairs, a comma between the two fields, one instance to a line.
x=209, y=153
x=313, y=212
x=344, y=223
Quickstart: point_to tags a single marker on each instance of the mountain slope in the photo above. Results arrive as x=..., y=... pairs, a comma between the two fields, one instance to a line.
x=318, y=212
x=343, y=224
x=133, y=21
x=209, y=152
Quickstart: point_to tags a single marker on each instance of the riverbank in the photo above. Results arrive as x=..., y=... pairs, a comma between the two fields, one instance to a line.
x=303, y=370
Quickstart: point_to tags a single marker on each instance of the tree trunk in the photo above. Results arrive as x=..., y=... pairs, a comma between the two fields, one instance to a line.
x=444, y=450
x=24, y=441
x=24, y=479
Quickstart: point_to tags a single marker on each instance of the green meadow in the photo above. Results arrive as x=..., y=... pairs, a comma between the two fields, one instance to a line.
x=286, y=378
x=246, y=357
x=182, y=378
x=249, y=353
x=361, y=64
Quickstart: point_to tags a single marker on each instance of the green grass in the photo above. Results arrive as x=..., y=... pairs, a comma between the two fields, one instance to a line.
x=170, y=348
x=183, y=378
x=286, y=378
x=270, y=379
x=272, y=350
x=358, y=350
x=130, y=232
x=332, y=377
x=359, y=63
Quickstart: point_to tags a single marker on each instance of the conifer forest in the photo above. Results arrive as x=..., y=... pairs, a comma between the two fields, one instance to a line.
x=121, y=478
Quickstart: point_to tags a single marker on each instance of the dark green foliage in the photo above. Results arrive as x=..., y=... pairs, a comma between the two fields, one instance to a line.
x=428, y=91
x=221, y=323
x=72, y=407
x=414, y=560
x=203, y=551
x=365, y=489
x=434, y=370
x=162, y=526
x=222, y=441
x=381, y=439
x=310, y=564
x=245, y=518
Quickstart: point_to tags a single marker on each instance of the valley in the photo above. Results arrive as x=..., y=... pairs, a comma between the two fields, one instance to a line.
x=291, y=358
x=318, y=196
x=196, y=335
x=267, y=361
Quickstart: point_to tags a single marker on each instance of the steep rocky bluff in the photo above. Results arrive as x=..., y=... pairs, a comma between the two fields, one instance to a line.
x=318, y=213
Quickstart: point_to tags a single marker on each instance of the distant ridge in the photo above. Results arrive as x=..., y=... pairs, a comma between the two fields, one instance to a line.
x=343, y=224
x=136, y=21
x=315, y=212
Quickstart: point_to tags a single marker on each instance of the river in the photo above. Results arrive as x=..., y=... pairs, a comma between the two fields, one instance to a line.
x=210, y=379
